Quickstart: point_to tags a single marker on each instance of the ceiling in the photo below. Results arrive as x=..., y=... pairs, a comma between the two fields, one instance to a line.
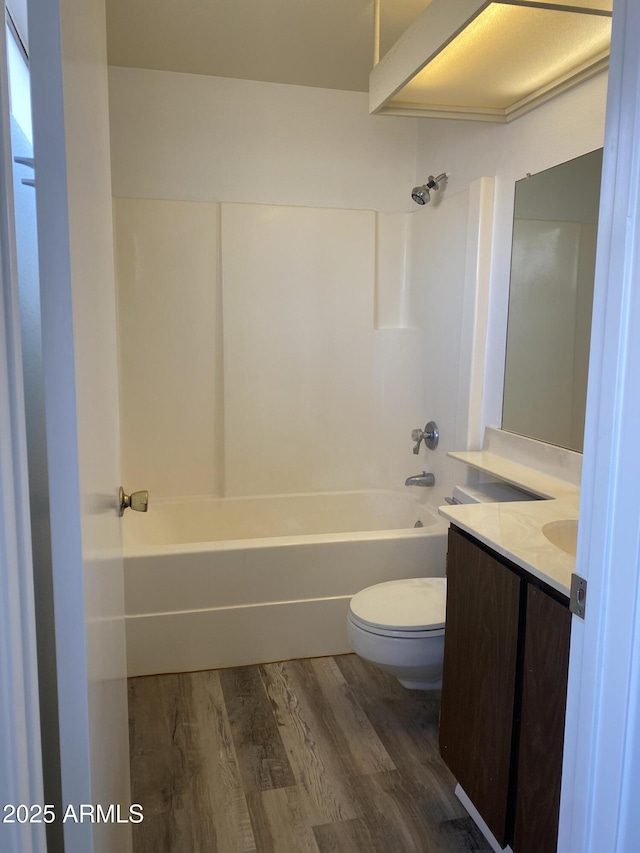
x=321, y=43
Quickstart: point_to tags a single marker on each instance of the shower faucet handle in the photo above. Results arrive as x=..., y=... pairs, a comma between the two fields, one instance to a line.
x=430, y=435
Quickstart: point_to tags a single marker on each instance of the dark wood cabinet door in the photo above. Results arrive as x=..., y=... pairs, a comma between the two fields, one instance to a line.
x=479, y=679
x=544, y=697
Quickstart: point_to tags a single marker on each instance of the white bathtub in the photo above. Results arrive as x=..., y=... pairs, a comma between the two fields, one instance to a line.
x=213, y=582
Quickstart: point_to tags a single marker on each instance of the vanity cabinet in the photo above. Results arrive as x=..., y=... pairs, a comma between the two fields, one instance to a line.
x=541, y=736
x=504, y=693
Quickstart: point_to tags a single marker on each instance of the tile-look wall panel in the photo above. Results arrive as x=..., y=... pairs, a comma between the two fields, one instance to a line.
x=316, y=398
x=167, y=257
x=298, y=296
x=439, y=243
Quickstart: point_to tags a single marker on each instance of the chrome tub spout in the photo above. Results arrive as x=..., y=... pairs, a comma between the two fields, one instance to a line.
x=423, y=479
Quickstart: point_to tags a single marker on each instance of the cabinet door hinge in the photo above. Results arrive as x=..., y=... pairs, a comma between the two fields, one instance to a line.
x=578, y=597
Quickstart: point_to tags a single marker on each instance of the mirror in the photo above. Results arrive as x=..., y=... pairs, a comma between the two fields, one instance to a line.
x=550, y=300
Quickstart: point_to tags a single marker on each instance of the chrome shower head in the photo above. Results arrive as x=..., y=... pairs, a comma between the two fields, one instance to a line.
x=422, y=195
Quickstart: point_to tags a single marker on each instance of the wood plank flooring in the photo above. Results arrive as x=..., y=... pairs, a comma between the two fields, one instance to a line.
x=306, y=756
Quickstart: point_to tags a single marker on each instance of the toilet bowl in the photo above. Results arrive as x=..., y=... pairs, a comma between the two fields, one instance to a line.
x=398, y=626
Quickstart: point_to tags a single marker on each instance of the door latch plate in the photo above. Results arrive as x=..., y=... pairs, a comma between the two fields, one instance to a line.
x=578, y=597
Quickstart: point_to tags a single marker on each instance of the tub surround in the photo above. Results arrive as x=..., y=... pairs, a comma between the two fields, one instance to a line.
x=515, y=530
x=227, y=308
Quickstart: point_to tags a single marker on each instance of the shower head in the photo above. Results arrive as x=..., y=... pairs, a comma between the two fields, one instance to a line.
x=422, y=195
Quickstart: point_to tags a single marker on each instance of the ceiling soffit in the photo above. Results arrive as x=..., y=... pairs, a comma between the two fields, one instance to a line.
x=491, y=61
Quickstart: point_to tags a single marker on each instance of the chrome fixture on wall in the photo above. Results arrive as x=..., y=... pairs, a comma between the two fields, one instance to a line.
x=430, y=435
x=422, y=195
x=423, y=479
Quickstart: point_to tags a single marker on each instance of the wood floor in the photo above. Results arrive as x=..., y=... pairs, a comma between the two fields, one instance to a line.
x=306, y=756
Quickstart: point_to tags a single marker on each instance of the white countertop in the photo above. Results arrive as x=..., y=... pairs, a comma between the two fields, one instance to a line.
x=514, y=529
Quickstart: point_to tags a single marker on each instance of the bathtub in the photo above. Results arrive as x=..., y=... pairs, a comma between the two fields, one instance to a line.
x=218, y=582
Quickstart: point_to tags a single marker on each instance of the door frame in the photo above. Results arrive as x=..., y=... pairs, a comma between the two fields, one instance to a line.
x=67, y=49
x=20, y=746
x=601, y=770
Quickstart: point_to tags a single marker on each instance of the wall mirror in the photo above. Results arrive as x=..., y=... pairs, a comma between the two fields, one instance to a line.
x=550, y=300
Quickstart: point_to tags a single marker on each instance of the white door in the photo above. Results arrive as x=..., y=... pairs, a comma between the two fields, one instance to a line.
x=67, y=48
x=601, y=774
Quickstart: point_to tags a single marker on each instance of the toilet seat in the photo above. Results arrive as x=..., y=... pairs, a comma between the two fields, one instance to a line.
x=394, y=632
x=412, y=608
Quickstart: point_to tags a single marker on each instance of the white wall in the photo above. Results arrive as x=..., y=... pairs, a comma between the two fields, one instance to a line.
x=319, y=384
x=560, y=130
x=185, y=137
x=190, y=137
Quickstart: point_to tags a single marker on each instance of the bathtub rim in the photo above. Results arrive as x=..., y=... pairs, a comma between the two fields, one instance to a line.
x=437, y=527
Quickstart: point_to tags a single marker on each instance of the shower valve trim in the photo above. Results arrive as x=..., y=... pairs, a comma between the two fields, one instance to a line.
x=430, y=435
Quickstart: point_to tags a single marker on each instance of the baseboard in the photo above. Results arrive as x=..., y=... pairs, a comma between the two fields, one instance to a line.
x=474, y=814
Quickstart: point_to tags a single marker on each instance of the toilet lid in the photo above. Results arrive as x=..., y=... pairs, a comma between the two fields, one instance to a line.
x=417, y=604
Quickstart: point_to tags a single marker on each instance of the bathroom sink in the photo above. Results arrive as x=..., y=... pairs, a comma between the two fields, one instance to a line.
x=563, y=534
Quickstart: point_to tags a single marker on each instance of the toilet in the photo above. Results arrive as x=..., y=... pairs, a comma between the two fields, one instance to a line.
x=398, y=626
